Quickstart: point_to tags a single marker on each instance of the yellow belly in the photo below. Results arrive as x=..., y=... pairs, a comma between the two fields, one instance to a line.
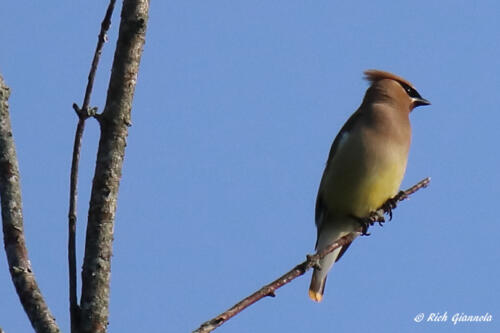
x=361, y=184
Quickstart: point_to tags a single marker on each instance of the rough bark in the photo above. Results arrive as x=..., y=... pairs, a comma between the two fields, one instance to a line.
x=114, y=123
x=13, y=231
x=83, y=114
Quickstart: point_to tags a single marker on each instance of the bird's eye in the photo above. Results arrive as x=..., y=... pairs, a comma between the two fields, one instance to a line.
x=410, y=91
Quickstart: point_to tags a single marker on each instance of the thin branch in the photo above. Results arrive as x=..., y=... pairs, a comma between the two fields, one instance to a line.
x=114, y=122
x=103, y=38
x=312, y=261
x=13, y=231
x=83, y=113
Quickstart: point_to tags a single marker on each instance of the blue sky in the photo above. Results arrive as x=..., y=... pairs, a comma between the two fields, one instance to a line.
x=236, y=106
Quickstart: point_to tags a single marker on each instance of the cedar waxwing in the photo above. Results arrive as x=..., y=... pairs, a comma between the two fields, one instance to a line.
x=365, y=166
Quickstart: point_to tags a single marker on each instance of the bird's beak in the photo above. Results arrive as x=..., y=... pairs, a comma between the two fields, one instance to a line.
x=420, y=101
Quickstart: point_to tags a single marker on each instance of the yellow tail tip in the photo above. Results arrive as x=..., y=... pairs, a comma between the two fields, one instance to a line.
x=315, y=296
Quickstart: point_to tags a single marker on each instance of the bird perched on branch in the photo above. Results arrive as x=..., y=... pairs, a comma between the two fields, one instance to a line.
x=365, y=167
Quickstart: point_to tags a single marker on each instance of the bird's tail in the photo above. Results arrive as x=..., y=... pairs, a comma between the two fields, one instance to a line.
x=318, y=281
x=328, y=235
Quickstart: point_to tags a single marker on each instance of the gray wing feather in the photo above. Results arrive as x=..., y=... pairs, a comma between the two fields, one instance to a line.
x=321, y=207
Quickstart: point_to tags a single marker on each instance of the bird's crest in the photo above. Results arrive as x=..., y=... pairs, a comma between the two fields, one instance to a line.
x=374, y=75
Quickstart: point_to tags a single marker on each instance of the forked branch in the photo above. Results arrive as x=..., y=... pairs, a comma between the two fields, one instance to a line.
x=114, y=122
x=83, y=114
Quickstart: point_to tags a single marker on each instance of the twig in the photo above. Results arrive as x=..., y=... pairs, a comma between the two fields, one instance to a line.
x=269, y=289
x=13, y=231
x=312, y=261
x=83, y=113
x=103, y=38
x=114, y=122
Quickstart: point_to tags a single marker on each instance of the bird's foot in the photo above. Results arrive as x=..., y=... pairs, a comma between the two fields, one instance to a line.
x=375, y=217
x=391, y=203
x=378, y=216
x=365, y=223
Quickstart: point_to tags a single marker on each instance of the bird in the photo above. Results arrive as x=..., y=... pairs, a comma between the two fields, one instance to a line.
x=365, y=166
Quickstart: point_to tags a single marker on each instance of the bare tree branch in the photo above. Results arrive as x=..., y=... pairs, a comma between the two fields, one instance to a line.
x=312, y=261
x=13, y=230
x=83, y=113
x=114, y=122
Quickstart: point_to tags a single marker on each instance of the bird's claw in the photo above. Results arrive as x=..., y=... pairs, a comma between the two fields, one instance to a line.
x=390, y=204
x=365, y=224
x=378, y=216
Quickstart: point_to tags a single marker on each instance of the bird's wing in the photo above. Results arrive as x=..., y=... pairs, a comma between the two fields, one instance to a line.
x=349, y=124
x=321, y=208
